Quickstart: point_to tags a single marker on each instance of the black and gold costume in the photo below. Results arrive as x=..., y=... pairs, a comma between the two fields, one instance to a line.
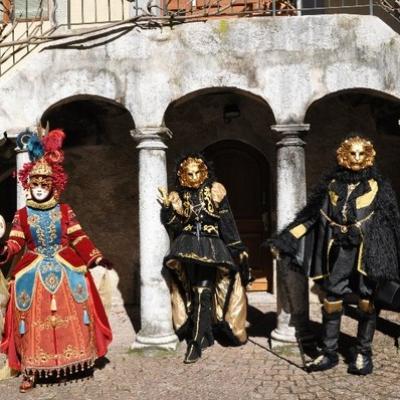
x=206, y=286
x=347, y=238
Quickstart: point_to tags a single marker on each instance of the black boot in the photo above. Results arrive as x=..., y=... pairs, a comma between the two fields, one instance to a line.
x=201, y=319
x=331, y=330
x=362, y=363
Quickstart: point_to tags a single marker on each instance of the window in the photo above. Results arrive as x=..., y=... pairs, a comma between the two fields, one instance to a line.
x=31, y=9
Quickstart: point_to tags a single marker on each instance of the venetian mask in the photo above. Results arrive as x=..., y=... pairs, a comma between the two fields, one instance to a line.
x=356, y=154
x=192, y=172
x=40, y=188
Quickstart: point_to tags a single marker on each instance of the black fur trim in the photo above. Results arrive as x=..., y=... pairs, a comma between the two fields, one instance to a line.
x=318, y=193
x=286, y=243
x=382, y=238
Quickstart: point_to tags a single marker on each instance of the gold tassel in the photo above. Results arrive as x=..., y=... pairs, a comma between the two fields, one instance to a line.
x=53, y=304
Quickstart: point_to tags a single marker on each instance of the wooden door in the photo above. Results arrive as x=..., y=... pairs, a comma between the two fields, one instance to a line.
x=244, y=171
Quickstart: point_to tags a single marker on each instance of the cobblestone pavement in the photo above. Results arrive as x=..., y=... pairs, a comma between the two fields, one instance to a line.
x=248, y=372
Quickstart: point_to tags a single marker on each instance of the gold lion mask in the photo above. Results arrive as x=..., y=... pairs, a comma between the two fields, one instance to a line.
x=356, y=154
x=192, y=172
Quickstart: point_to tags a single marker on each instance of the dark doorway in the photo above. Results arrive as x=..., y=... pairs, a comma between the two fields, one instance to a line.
x=245, y=173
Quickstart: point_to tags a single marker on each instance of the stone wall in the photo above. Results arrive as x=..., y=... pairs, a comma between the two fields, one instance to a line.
x=276, y=70
x=288, y=62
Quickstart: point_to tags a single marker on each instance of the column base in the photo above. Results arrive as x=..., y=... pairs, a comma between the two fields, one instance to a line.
x=283, y=337
x=169, y=342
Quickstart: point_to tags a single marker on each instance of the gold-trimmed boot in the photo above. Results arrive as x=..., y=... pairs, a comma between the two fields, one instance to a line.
x=201, y=319
x=331, y=318
x=362, y=363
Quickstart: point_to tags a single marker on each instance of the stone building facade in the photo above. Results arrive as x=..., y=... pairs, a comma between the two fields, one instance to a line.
x=280, y=93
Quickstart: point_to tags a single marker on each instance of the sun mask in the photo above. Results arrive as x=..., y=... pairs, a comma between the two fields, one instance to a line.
x=192, y=172
x=356, y=154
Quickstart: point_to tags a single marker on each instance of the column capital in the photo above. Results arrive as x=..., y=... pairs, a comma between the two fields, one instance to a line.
x=151, y=138
x=291, y=134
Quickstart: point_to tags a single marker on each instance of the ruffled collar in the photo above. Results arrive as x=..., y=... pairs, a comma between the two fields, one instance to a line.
x=46, y=205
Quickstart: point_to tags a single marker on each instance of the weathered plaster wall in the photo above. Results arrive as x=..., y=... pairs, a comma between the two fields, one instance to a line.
x=289, y=62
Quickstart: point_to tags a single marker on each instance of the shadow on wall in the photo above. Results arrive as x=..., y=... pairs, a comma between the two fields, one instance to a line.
x=101, y=161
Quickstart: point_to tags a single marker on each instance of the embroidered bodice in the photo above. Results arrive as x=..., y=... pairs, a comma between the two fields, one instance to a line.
x=45, y=228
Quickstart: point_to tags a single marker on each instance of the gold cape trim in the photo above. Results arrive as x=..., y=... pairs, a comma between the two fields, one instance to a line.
x=333, y=197
x=298, y=231
x=359, y=261
x=366, y=199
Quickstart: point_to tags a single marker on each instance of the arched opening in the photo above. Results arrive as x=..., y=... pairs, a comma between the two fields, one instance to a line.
x=361, y=111
x=232, y=128
x=100, y=158
x=238, y=162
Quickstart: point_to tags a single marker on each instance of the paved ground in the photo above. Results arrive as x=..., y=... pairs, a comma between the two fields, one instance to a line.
x=247, y=372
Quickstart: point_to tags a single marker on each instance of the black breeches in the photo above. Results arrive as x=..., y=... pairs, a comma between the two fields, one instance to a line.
x=201, y=275
x=344, y=277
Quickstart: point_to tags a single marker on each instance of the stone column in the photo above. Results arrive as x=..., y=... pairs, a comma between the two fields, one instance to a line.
x=155, y=303
x=292, y=288
x=22, y=158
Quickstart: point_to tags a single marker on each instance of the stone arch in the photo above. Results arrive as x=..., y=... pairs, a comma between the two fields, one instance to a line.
x=226, y=103
x=102, y=116
x=237, y=124
x=364, y=111
x=100, y=159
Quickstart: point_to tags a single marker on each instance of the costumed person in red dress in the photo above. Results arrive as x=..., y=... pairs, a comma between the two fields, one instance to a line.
x=55, y=321
x=207, y=286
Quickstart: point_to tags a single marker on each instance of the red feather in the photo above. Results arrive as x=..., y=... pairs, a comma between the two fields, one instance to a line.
x=53, y=140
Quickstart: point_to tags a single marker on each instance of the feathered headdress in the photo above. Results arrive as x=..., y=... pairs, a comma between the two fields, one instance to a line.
x=46, y=156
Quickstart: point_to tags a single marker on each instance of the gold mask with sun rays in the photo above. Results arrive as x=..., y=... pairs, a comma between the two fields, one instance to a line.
x=356, y=154
x=192, y=172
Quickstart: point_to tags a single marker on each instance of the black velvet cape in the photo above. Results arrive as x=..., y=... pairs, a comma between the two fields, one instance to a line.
x=381, y=235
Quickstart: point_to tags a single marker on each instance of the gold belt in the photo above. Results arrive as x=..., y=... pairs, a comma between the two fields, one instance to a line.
x=345, y=228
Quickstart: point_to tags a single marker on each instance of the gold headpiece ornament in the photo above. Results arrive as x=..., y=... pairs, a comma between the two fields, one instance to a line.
x=192, y=172
x=41, y=168
x=356, y=153
x=42, y=132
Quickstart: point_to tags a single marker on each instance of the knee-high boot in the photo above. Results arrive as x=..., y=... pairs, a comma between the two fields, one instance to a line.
x=362, y=363
x=201, y=321
x=331, y=331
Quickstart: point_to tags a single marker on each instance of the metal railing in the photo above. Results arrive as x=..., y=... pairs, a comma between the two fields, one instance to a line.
x=17, y=27
x=184, y=10
x=89, y=12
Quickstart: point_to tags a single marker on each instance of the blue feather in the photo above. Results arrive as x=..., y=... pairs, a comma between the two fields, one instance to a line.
x=35, y=148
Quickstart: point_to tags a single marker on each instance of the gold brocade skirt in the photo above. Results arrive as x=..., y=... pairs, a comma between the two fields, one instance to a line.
x=62, y=340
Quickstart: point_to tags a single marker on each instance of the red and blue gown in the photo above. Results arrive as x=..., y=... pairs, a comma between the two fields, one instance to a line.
x=55, y=320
